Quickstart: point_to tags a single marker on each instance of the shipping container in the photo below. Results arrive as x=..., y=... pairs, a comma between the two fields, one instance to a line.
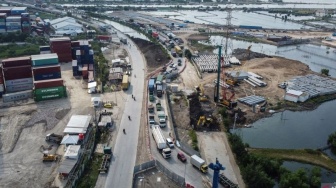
x=17, y=61
x=47, y=69
x=48, y=83
x=16, y=88
x=91, y=67
x=3, y=15
x=60, y=39
x=6, y=10
x=74, y=43
x=18, y=10
x=2, y=88
x=50, y=90
x=74, y=63
x=44, y=48
x=47, y=76
x=14, y=73
x=85, y=71
x=44, y=59
x=13, y=19
x=19, y=82
x=17, y=96
x=43, y=97
x=90, y=76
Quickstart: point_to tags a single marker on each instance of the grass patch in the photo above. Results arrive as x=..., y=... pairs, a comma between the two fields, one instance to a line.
x=91, y=172
x=300, y=155
x=45, y=15
x=14, y=50
x=193, y=136
x=201, y=47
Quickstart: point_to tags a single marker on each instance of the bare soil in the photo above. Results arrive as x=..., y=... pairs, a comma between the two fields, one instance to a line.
x=155, y=57
x=153, y=178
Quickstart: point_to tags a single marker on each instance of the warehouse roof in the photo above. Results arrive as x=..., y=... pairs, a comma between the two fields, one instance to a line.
x=79, y=121
x=61, y=25
x=64, y=19
x=72, y=151
x=67, y=165
x=70, y=139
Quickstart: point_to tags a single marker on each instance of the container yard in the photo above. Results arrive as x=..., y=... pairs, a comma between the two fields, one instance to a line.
x=62, y=47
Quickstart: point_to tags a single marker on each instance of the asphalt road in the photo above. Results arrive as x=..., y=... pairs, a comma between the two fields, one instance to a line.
x=124, y=152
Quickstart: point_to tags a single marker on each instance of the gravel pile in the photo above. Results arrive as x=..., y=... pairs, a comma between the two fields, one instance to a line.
x=51, y=117
x=243, y=54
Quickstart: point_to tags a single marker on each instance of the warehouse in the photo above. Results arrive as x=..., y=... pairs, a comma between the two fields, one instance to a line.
x=296, y=96
x=66, y=25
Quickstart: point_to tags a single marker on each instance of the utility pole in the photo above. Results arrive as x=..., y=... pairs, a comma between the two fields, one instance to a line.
x=216, y=97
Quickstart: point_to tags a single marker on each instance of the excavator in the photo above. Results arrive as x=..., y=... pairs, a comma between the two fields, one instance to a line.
x=203, y=120
x=201, y=96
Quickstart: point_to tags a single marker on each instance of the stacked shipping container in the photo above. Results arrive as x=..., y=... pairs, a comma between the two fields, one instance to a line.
x=3, y=22
x=13, y=23
x=48, y=82
x=17, y=76
x=84, y=64
x=25, y=22
x=61, y=46
x=45, y=50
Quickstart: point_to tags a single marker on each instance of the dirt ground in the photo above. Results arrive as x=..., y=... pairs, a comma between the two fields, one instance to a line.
x=153, y=54
x=153, y=178
x=23, y=128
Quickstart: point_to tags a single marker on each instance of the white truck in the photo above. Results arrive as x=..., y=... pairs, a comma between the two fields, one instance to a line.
x=160, y=141
x=162, y=118
x=199, y=163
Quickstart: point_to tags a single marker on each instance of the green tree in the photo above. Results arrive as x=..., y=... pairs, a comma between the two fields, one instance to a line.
x=294, y=179
x=255, y=177
x=187, y=53
x=325, y=72
x=315, y=177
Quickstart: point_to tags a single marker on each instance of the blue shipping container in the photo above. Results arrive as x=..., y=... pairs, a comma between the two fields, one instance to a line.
x=250, y=27
x=13, y=27
x=2, y=27
x=44, y=48
x=334, y=34
x=53, y=75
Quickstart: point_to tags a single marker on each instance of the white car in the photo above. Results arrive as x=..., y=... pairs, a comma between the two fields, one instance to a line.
x=170, y=142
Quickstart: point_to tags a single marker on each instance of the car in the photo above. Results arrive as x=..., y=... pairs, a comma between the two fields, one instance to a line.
x=170, y=142
x=107, y=105
x=179, y=60
x=175, y=68
x=171, y=65
x=181, y=157
x=165, y=73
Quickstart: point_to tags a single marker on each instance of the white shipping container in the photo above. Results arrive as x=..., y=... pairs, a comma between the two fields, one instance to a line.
x=45, y=52
x=1, y=87
x=2, y=30
x=74, y=63
x=17, y=96
x=13, y=23
x=22, y=87
x=18, y=82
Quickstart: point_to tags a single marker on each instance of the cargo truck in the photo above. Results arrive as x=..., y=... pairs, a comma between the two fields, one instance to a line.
x=160, y=141
x=159, y=91
x=151, y=88
x=162, y=118
x=125, y=83
x=199, y=163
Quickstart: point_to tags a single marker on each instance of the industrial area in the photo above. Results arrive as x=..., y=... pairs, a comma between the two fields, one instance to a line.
x=136, y=99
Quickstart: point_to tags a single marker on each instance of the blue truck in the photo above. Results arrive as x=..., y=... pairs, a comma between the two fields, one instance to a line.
x=151, y=88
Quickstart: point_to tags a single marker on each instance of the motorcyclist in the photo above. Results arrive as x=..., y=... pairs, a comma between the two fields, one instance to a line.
x=124, y=131
x=129, y=117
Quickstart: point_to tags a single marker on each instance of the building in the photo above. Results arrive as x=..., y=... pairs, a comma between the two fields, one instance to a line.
x=296, y=96
x=321, y=12
x=66, y=26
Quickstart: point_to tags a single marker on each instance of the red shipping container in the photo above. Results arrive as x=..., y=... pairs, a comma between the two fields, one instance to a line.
x=16, y=70
x=46, y=69
x=155, y=35
x=17, y=61
x=48, y=83
x=18, y=76
x=1, y=80
x=85, y=71
x=74, y=43
x=90, y=76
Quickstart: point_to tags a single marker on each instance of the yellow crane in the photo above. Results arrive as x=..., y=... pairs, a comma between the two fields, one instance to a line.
x=200, y=90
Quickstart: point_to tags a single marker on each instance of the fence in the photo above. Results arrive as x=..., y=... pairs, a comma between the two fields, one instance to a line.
x=184, y=147
x=155, y=163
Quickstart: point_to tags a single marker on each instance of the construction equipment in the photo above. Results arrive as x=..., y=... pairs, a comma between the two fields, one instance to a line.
x=231, y=82
x=249, y=51
x=203, y=120
x=49, y=158
x=227, y=101
x=263, y=107
x=201, y=96
x=55, y=138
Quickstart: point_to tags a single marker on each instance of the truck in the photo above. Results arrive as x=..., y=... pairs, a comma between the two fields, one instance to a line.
x=150, y=108
x=160, y=141
x=178, y=50
x=151, y=88
x=55, y=138
x=159, y=90
x=158, y=106
x=173, y=53
x=123, y=40
x=162, y=118
x=199, y=163
x=125, y=83
x=151, y=120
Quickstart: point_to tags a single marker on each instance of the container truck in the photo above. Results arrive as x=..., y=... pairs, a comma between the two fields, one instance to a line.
x=125, y=83
x=151, y=88
x=159, y=89
x=160, y=141
x=162, y=118
x=199, y=163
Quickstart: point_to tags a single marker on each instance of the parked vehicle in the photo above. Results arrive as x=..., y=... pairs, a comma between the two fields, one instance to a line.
x=158, y=106
x=199, y=163
x=160, y=141
x=181, y=157
x=55, y=138
x=125, y=83
x=151, y=120
x=107, y=105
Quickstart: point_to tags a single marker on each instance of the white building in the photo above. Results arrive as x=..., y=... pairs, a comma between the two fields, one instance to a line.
x=296, y=96
x=66, y=25
x=321, y=12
